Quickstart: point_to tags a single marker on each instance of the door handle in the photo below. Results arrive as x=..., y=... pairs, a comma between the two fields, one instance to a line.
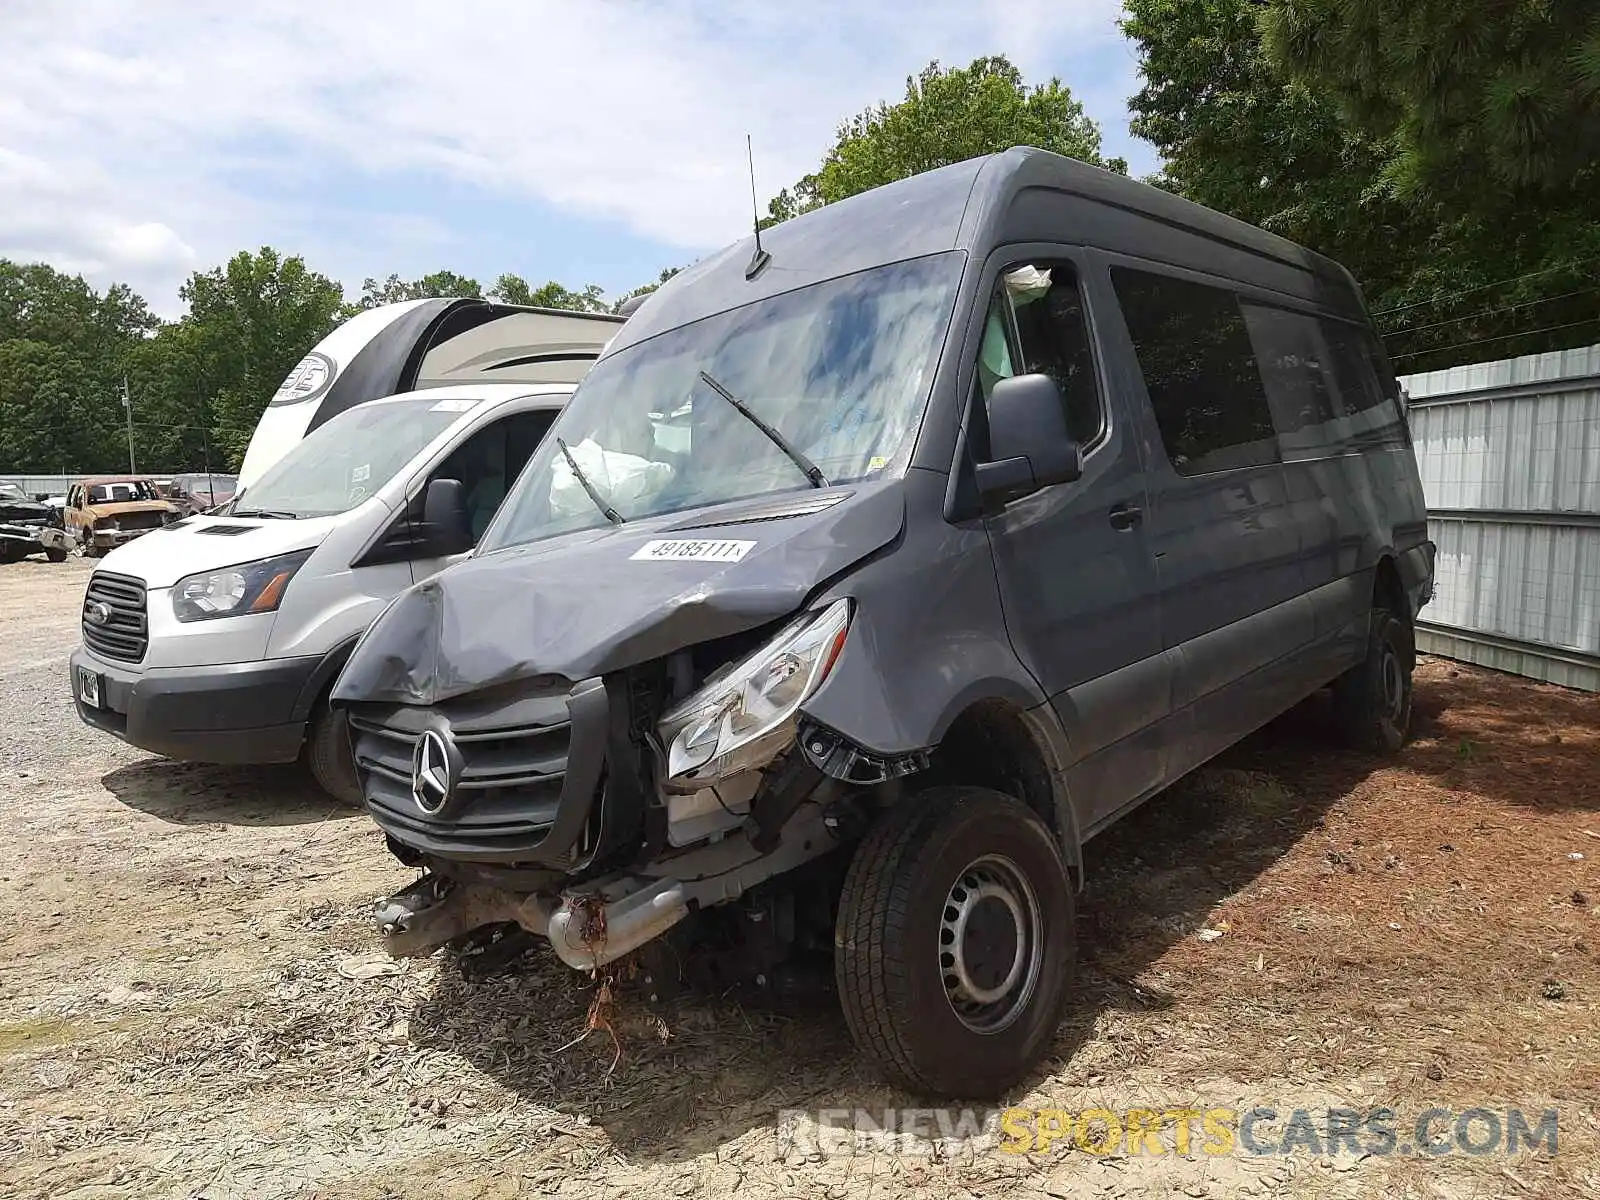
x=1126, y=516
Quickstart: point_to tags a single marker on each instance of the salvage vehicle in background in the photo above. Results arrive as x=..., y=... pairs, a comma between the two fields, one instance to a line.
x=1007, y=494
x=218, y=641
x=29, y=527
x=203, y=490
x=107, y=511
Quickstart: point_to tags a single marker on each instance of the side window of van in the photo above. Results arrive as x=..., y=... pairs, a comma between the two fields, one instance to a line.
x=490, y=460
x=1036, y=325
x=1321, y=384
x=1200, y=371
x=1303, y=392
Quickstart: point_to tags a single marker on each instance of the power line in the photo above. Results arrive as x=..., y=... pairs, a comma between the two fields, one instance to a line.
x=1502, y=337
x=1482, y=288
x=1490, y=312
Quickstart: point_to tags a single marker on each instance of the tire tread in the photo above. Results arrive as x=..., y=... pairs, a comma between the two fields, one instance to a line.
x=876, y=899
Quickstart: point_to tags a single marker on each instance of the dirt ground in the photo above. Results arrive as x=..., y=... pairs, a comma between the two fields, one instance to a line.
x=192, y=1003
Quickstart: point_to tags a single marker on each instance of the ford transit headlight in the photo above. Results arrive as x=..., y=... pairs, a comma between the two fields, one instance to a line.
x=744, y=714
x=255, y=587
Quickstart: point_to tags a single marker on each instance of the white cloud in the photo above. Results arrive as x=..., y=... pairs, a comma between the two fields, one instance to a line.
x=123, y=123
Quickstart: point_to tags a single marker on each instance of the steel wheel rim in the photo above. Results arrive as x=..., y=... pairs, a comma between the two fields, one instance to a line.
x=990, y=944
x=1394, y=690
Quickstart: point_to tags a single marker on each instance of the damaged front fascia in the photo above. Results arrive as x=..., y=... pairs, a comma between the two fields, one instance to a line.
x=836, y=756
x=580, y=606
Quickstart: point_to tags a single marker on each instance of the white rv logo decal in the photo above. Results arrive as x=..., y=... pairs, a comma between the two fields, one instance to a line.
x=309, y=379
x=693, y=550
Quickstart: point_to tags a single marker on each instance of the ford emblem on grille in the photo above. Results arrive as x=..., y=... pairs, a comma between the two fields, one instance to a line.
x=97, y=612
x=433, y=771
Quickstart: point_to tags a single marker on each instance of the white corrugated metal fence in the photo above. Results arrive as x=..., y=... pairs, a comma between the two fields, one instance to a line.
x=1510, y=459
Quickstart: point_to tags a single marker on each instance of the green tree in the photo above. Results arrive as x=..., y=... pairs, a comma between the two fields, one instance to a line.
x=63, y=347
x=513, y=289
x=1236, y=136
x=645, y=289
x=56, y=412
x=947, y=115
x=1472, y=93
x=1451, y=279
x=393, y=290
x=252, y=320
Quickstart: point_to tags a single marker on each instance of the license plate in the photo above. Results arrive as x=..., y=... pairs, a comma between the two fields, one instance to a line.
x=88, y=688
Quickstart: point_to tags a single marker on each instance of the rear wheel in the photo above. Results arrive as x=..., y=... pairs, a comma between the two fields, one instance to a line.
x=55, y=553
x=955, y=942
x=1373, y=700
x=328, y=755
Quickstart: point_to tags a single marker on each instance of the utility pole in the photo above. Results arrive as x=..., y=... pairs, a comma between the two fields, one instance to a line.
x=127, y=408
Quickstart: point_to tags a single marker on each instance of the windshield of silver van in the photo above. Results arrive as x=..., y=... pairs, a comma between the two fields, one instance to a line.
x=838, y=372
x=337, y=466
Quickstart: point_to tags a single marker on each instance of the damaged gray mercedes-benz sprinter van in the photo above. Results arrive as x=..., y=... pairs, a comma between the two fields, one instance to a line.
x=872, y=571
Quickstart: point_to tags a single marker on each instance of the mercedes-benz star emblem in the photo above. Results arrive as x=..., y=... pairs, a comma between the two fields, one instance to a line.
x=431, y=783
x=97, y=612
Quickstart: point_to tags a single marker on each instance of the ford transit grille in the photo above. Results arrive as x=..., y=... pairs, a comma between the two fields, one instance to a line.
x=114, y=620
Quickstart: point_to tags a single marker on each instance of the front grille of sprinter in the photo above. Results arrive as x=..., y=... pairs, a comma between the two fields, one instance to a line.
x=125, y=633
x=511, y=778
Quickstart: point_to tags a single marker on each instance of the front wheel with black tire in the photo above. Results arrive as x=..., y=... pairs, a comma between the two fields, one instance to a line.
x=1372, y=700
x=954, y=946
x=55, y=553
x=328, y=755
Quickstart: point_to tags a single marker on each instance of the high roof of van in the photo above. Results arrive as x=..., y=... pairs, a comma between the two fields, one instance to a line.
x=1020, y=195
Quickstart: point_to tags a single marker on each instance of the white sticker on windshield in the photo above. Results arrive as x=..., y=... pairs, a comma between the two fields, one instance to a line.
x=453, y=406
x=693, y=550
x=362, y=472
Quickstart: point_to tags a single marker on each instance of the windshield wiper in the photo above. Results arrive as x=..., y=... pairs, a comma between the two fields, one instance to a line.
x=813, y=472
x=273, y=514
x=600, y=501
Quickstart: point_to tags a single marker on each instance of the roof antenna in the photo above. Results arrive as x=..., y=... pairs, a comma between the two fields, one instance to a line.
x=760, y=258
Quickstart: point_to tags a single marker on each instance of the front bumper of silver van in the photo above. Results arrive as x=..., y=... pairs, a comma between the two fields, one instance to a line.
x=233, y=713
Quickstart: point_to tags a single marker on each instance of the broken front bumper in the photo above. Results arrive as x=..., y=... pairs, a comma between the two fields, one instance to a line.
x=110, y=539
x=602, y=920
x=32, y=539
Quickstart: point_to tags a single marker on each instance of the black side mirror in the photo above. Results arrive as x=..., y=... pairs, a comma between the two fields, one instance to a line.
x=1029, y=445
x=447, y=527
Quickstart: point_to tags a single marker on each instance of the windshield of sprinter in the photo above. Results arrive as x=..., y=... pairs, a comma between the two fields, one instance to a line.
x=337, y=466
x=838, y=371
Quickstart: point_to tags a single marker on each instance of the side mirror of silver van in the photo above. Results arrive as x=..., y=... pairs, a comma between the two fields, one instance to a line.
x=1029, y=445
x=445, y=520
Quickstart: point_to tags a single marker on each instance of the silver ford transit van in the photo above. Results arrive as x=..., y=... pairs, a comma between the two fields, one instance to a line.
x=908, y=550
x=216, y=638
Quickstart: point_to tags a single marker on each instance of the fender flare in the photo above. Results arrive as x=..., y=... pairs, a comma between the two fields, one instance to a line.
x=322, y=677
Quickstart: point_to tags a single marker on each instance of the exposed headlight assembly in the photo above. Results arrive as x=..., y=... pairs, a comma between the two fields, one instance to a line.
x=744, y=714
x=255, y=587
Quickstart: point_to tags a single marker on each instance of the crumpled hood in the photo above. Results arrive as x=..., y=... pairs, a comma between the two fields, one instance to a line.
x=25, y=512
x=586, y=604
x=122, y=508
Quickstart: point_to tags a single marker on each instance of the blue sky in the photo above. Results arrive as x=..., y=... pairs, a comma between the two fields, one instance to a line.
x=589, y=141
